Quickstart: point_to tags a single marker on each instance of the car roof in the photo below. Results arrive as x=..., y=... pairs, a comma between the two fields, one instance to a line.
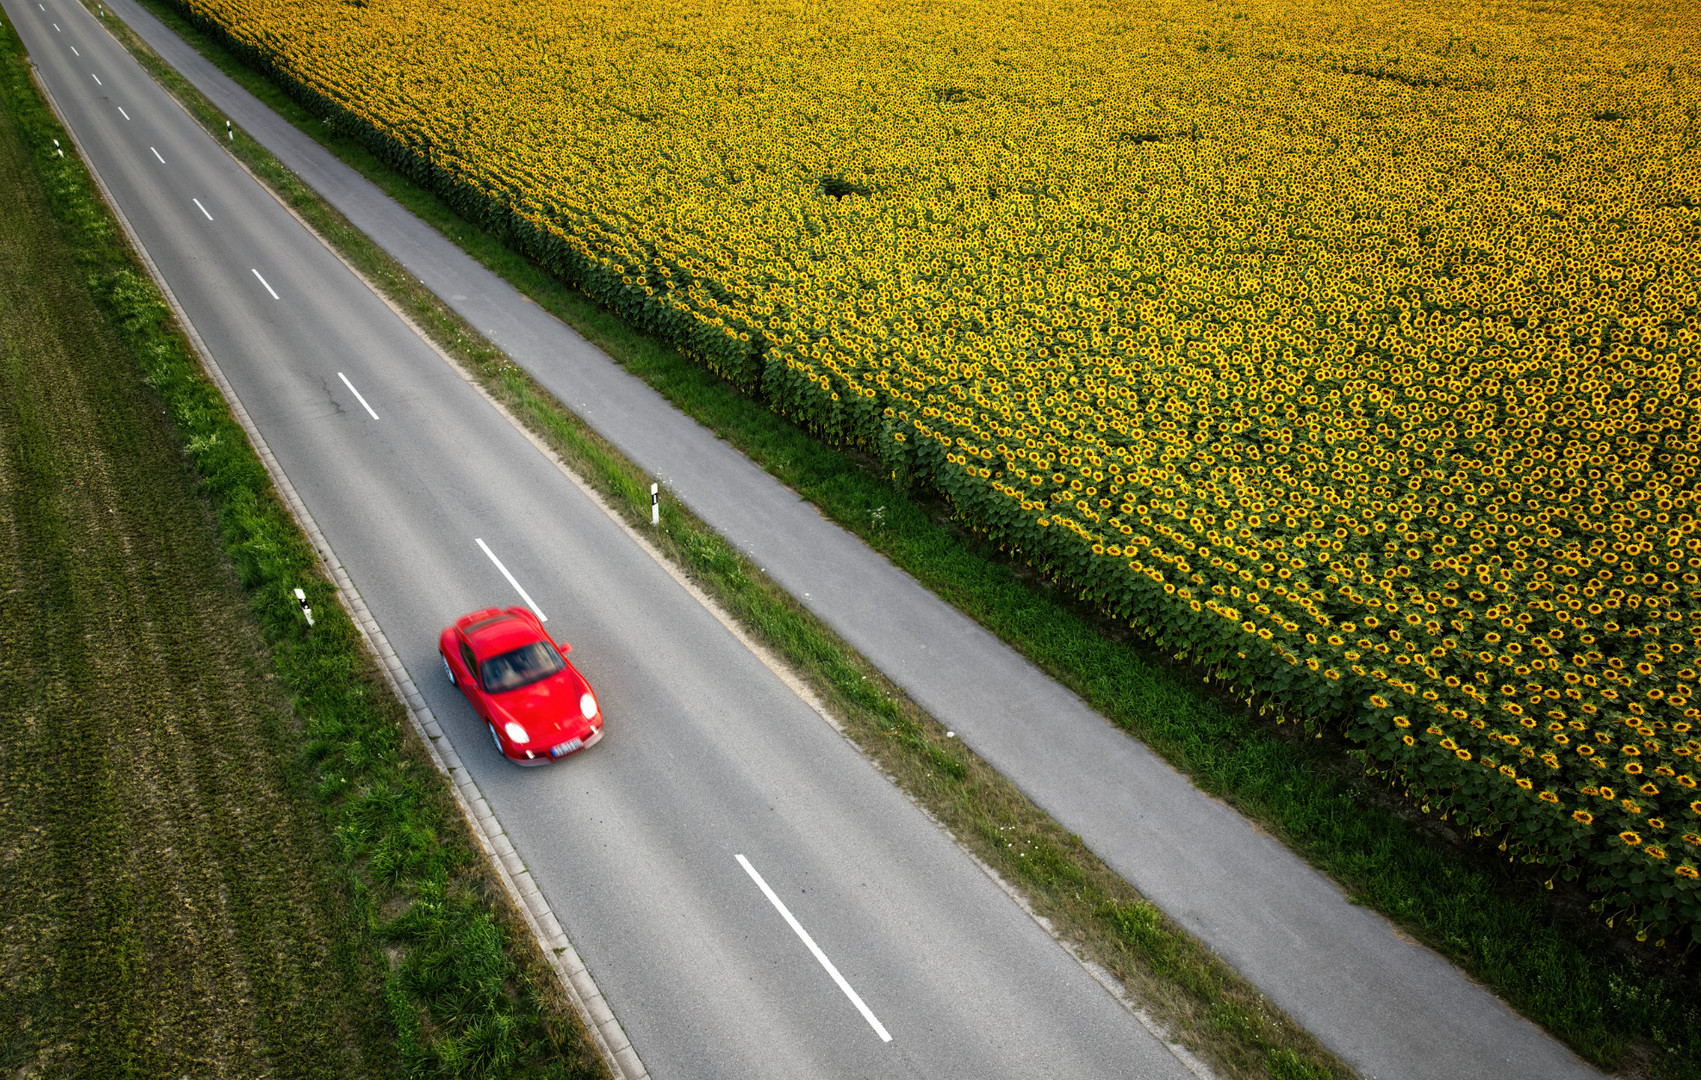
x=499, y=633
x=480, y=619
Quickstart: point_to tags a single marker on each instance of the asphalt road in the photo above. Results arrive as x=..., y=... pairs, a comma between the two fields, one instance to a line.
x=715, y=784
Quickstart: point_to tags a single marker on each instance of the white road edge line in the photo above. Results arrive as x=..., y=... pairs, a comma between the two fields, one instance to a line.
x=196, y=201
x=541, y=617
x=156, y=156
x=264, y=282
x=867, y=1013
x=368, y=408
x=122, y=113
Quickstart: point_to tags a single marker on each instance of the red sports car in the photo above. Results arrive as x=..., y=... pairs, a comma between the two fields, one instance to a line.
x=537, y=706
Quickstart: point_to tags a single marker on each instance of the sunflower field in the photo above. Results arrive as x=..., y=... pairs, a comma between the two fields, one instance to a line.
x=1351, y=348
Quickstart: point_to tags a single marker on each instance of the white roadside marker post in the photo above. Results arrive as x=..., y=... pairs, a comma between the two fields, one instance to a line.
x=228, y=133
x=57, y=147
x=655, y=504
x=301, y=598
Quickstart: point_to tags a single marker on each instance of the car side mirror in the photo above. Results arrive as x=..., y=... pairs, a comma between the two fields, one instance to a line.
x=564, y=647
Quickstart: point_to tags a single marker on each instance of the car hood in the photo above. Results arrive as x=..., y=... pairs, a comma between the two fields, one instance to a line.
x=547, y=709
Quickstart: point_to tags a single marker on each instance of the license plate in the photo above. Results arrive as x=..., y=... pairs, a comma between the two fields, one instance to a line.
x=565, y=748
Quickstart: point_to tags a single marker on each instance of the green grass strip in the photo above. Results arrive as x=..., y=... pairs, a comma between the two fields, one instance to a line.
x=1619, y=1002
x=467, y=992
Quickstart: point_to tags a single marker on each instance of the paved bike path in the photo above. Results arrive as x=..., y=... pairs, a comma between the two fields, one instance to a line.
x=1389, y=1008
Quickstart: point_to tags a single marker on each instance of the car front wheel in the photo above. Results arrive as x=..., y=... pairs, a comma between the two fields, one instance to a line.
x=447, y=670
x=497, y=739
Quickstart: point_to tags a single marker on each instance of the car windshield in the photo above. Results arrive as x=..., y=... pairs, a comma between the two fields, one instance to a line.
x=519, y=667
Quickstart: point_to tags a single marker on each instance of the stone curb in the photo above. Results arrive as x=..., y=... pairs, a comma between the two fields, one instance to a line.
x=610, y=1039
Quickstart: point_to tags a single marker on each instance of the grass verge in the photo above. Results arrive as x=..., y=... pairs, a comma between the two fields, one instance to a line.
x=220, y=853
x=1620, y=1003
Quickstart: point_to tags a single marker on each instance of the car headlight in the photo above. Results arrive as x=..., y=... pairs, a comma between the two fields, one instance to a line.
x=516, y=732
x=587, y=706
